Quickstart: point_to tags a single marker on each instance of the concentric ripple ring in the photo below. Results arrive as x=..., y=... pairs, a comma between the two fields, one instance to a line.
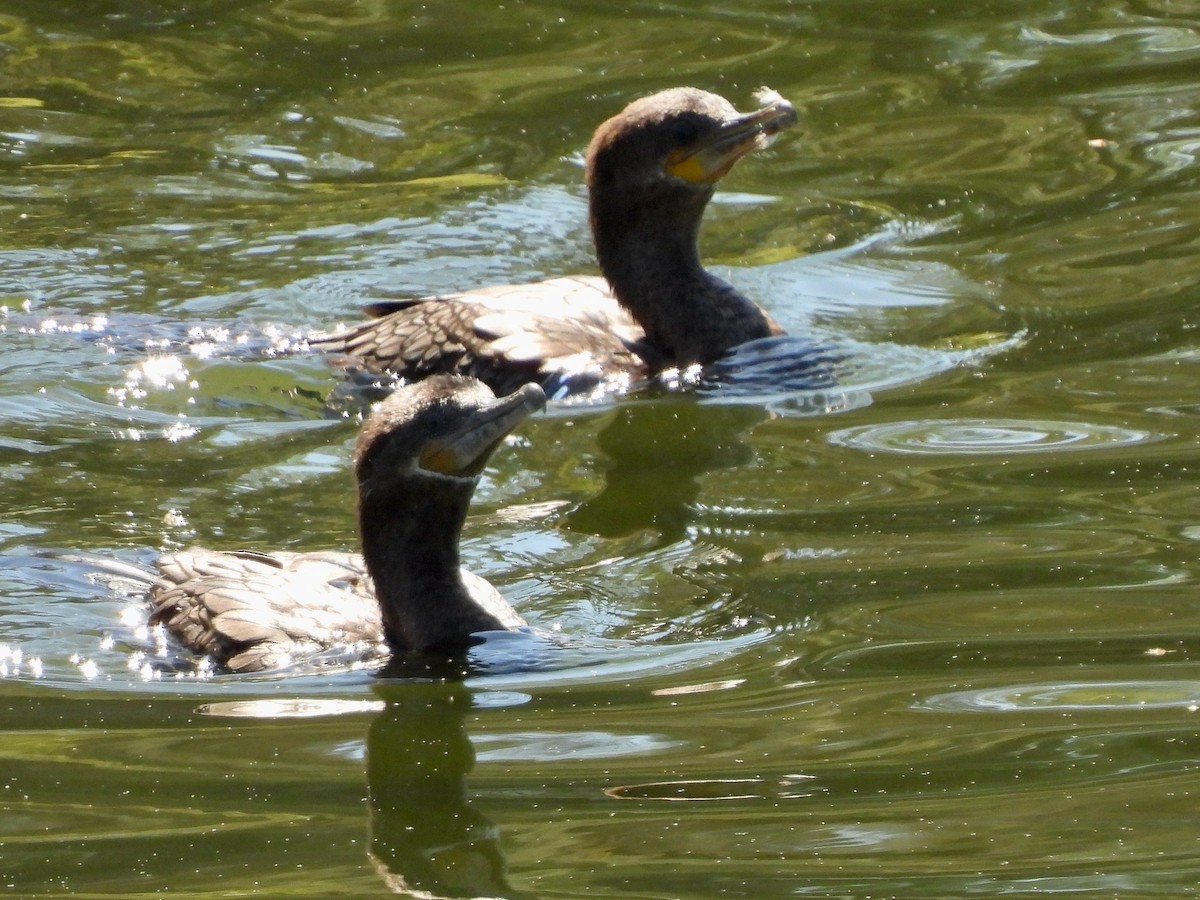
x=949, y=437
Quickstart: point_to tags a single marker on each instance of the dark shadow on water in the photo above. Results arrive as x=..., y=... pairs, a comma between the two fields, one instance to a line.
x=786, y=363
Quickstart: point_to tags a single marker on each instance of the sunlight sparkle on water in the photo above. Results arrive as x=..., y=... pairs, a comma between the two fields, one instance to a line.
x=87, y=668
x=14, y=663
x=180, y=431
x=161, y=373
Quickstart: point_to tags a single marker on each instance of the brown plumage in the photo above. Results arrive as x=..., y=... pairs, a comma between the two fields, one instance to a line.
x=417, y=460
x=651, y=170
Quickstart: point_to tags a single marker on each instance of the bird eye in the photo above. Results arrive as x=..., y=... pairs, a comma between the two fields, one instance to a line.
x=685, y=132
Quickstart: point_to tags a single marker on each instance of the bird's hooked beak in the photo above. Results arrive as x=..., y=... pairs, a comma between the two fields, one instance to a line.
x=464, y=453
x=711, y=158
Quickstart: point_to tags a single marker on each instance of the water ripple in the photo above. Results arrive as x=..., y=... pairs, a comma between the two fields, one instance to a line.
x=549, y=746
x=1104, y=695
x=978, y=437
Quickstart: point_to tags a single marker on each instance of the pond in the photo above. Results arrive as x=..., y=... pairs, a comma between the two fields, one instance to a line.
x=927, y=635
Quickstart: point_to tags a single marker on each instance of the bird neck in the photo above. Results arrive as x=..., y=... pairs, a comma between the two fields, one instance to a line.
x=410, y=536
x=648, y=253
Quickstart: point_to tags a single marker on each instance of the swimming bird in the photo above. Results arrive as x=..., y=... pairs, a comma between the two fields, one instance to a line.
x=417, y=460
x=650, y=171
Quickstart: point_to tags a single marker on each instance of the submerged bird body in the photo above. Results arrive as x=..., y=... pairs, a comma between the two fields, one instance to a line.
x=417, y=460
x=566, y=334
x=651, y=170
x=252, y=611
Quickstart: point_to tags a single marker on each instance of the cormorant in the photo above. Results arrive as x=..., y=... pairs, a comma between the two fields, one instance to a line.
x=417, y=460
x=651, y=170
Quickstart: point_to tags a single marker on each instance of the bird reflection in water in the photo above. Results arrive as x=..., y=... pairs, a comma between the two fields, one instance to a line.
x=659, y=449
x=657, y=452
x=425, y=834
x=427, y=839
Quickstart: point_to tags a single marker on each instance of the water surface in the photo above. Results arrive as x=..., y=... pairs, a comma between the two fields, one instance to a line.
x=925, y=638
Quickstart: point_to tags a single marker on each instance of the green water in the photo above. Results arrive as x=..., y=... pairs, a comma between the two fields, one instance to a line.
x=933, y=642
